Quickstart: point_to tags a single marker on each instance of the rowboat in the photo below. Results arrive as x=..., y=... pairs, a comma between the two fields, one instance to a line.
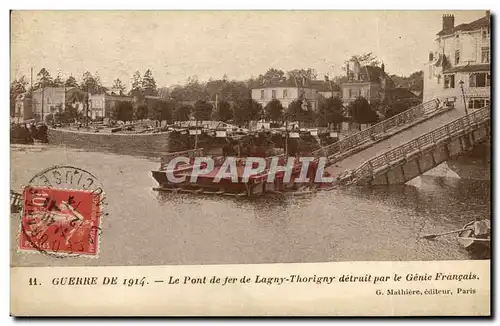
x=468, y=240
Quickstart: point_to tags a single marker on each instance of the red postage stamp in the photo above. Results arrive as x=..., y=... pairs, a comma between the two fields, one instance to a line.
x=60, y=221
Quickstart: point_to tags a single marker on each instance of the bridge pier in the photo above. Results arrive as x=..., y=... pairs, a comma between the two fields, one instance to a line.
x=475, y=165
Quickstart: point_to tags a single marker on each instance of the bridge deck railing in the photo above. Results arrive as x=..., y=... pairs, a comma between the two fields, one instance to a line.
x=417, y=144
x=361, y=137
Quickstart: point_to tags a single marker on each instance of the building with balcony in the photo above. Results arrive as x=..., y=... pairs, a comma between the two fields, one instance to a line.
x=458, y=68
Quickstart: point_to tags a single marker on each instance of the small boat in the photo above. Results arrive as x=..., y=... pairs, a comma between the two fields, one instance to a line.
x=469, y=241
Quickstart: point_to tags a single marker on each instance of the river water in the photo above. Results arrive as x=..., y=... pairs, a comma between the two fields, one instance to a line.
x=145, y=227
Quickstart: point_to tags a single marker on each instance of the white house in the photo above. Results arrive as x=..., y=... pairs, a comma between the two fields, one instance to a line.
x=459, y=66
x=288, y=91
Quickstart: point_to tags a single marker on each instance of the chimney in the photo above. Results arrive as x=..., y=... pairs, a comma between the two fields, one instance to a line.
x=356, y=69
x=448, y=22
x=383, y=67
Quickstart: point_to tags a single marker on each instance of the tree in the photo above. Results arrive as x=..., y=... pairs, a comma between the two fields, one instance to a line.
x=414, y=82
x=274, y=110
x=58, y=82
x=149, y=84
x=361, y=111
x=300, y=110
x=301, y=75
x=272, y=76
x=224, y=111
x=91, y=84
x=398, y=107
x=136, y=89
x=141, y=112
x=202, y=110
x=162, y=110
x=123, y=111
x=97, y=79
x=330, y=111
x=163, y=93
x=246, y=110
x=183, y=112
x=366, y=59
x=43, y=79
x=18, y=86
x=49, y=119
x=71, y=82
x=70, y=114
x=117, y=84
x=192, y=91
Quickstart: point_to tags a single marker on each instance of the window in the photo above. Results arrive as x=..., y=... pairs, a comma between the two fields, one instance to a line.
x=274, y=93
x=449, y=81
x=486, y=34
x=478, y=103
x=480, y=79
x=262, y=94
x=285, y=93
x=485, y=55
x=350, y=93
x=457, y=57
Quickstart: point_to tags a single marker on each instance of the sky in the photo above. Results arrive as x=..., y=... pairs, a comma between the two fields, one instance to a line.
x=177, y=45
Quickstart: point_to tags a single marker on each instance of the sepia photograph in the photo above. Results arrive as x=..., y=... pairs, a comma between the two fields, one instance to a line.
x=205, y=138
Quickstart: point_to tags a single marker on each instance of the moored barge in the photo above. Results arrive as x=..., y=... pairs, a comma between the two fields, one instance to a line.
x=236, y=184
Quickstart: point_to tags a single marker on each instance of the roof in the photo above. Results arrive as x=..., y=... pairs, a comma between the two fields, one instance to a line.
x=374, y=73
x=287, y=83
x=319, y=85
x=323, y=86
x=401, y=92
x=371, y=74
x=469, y=68
x=113, y=91
x=473, y=26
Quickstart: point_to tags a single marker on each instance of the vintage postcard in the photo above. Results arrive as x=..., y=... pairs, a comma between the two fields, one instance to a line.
x=251, y=163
